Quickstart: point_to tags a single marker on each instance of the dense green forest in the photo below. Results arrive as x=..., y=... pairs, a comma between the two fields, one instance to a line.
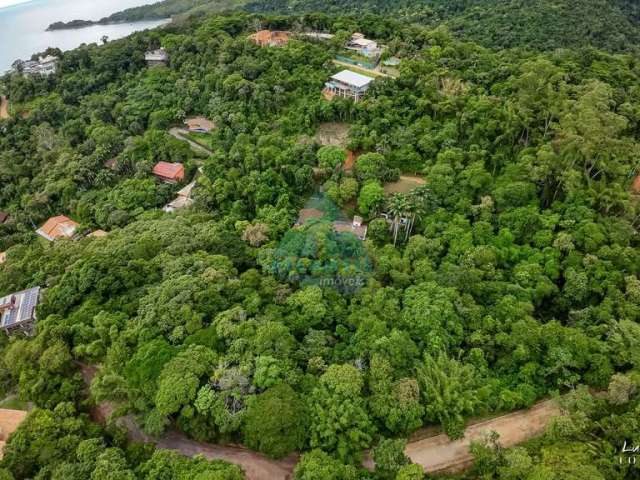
x=515, y=278
x=612, y=25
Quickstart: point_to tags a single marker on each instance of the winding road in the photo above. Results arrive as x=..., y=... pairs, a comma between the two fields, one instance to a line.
x=436, y=454
x=4, y=107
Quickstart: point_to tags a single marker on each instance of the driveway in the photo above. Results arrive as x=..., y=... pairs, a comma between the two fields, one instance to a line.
x=179, y=133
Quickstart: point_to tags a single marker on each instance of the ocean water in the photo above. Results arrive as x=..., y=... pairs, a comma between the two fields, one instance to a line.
x=23, y=25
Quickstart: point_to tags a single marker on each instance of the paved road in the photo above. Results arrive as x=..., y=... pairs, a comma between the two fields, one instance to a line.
x=4, y=107
x=435, y=454
x=179, y=134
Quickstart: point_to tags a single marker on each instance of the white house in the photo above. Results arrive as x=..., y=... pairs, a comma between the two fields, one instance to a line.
x=43, y=66
x=364, y=46
x=348, y=84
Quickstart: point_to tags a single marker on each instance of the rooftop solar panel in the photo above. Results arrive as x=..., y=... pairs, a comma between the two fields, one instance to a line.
x=23, y=308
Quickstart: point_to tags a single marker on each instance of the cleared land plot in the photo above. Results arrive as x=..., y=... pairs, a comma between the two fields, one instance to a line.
x=4, y=107
x=332, y=133
x=405, y=184
x=9, y=422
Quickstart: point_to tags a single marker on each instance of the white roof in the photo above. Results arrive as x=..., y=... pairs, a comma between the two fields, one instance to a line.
x=363, y=42
x=160, y=54
x=352, y=78
x=48, y=59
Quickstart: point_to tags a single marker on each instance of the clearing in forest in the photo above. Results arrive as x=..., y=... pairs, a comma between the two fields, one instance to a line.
x=332, y=133
x=4, y=107
x=404, y=184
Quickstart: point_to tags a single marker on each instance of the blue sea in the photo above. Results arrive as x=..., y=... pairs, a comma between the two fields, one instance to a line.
x=23, y=25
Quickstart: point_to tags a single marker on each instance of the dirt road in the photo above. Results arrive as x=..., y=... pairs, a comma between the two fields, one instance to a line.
x=434, y=454
x=179, y=133
x=439, y=454
x=4, y=107
x=255, y=465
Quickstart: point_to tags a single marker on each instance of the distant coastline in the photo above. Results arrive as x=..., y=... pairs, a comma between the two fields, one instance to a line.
x=24, y=25
x=163, y=10
x=76, y=24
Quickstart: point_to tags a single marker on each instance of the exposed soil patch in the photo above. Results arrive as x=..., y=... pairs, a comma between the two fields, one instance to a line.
x=4, y=107
x=332, y=133
x=405, y=184
x=440, y=454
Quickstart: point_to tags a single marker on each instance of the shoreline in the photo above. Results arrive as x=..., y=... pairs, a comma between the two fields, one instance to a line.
x=80, y=24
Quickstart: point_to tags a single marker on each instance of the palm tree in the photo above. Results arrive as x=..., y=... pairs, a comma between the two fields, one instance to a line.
x=418, y=204
x=397, y=208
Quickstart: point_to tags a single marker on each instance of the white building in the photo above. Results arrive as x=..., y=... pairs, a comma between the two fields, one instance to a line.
x=364, y=46
x=18, y=311
x=348, y=84
x=156, y=57
x=43, y=66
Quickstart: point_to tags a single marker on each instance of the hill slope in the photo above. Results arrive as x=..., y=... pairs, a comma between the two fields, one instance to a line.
x=538, y=24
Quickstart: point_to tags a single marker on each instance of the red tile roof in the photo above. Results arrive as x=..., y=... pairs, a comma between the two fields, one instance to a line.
x=636, y=185
x=169, y=171
x=58, y=227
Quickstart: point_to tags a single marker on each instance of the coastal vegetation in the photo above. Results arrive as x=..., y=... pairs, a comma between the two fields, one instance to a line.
x=154, y=11
x=507, y=275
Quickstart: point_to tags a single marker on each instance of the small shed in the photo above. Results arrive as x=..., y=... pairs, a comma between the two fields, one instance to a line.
x=199, y=124
x=356, y=227
x=158, y=57
x=98, y=234
x=182, y=200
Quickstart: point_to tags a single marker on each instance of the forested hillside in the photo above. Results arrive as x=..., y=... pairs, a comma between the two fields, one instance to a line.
x=612, y=25
x=512, y=277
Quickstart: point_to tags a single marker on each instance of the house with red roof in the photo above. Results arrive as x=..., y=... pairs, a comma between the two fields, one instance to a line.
x=58, y=227
x=169, y=172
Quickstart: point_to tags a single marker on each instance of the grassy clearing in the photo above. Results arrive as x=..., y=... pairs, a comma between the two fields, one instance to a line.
x=405, y=184
x=202, y=139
